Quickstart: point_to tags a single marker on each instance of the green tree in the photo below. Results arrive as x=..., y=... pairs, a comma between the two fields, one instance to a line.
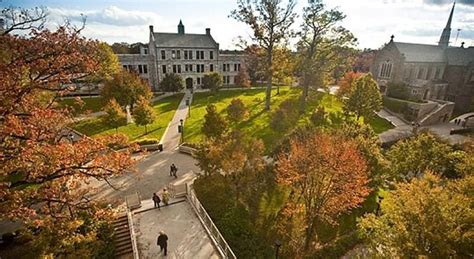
x=109, y=63
x=425, y=152
x=214, y=124
x=212, y=81
x=427, y=217
x=114, y=115
x=270, y=21
x=143, y=114
x=171, y=83
x=365, y=98
x=322, y=45
x=283, y=66
x=126, y=88
x=236, y=111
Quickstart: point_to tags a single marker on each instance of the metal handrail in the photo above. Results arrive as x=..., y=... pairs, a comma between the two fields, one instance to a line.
x=216, y=236
x=132, y=235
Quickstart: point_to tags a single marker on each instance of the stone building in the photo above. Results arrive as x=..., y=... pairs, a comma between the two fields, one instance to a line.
x=187, y=54
x=432, y=72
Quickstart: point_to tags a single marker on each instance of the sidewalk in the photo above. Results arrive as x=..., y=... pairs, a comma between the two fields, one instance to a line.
x=171, y=138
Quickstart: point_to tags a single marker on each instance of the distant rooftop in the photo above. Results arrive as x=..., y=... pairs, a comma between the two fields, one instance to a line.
x=414, y=52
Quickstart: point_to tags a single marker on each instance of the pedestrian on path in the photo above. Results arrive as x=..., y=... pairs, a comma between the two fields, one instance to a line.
x=166, y=196
x=156, y=200
x=171, y=169
x=175, y=170
x=162, y=241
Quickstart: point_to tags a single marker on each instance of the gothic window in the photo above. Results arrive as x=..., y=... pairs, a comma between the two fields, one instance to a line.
x=198, y=68
x=190, y=54
x=163, y=68
x=163, y=54
x=228, y=67
x=386, y=70
x=178, y=54
x=191, y=67
x=197, y=54
x=211, y=54
x=145, y=51
x=198, y=80
x=173, y=54
x=179, y=69
x=140, y=69
x=185, y=54
x=174, y=69
x=223, y=67
x=145, y=69
x=202, y=54
x=238, y=67
x=235, y=67
x=211, y=68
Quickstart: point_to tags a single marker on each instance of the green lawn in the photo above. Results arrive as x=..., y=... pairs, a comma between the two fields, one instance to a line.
x=93, y=104
x=380, y=125
x=259, y=120
x=164, y=108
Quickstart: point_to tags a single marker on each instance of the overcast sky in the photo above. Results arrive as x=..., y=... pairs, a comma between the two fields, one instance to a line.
x=371, y=21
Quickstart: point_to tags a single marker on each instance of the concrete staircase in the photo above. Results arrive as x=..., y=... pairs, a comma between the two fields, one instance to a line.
x=440, y=114
x=123, y=241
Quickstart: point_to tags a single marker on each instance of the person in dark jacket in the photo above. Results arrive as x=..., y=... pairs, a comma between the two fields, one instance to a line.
x=163, y=242
x=156, y=200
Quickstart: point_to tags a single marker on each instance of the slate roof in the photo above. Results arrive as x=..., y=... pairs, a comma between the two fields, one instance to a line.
x=460, y=56
x=421, y=52
x=186, y=40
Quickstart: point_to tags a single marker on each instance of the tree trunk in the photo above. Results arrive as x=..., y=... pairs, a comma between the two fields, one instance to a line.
x=268, y=92
x=146, y=130
x=304, y=95
x=309, y=236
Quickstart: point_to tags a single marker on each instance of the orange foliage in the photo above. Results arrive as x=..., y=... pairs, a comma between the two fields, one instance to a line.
x=345, y=85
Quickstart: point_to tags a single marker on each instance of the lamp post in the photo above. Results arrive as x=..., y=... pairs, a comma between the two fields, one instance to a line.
x=181, y=130
x=277, y=248
x=188, y=103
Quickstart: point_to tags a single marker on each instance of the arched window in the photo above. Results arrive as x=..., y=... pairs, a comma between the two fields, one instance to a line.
x=386, y=70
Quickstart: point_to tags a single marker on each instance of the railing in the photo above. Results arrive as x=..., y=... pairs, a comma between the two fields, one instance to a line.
x=132, y=235
x=215, y=235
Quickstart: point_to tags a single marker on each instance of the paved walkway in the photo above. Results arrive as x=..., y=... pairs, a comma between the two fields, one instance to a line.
x=401, y=130
x=171, y=138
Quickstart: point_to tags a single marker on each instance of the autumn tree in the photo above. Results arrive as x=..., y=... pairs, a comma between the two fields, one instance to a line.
x=427, y=217
x=254, y=63
x=41, y=171
x=143, y=114
x=326, y=176
x=236, y=111
x=365, y=98
x=364, y=60
x=321, y=45
x=283, y=66
x=242, y=78
x=212, y=81
x=270, y=21
x=114, y=115
x=214, y=124
x=23, y=19
x=424, y=152
x=345, y=84
x=126, y=88
x=171, y=83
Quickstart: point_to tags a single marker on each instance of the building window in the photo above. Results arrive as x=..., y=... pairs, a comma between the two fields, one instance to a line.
x=202, y=54
x=142, y=69
x=211, y=54
x=421, y=72
x=238, y=67
x=163, y=68
x=386, y=70
x=197, y=54
x=198, y=68
x=124, y=67
x=190, y=54
x=211, y=68
x=173, y=54
x=223, y=67
x=179, y=69
x=191, y=67
x=145, y=51
x=198, y=80
x=186, y=67
x=178, y=54
x=185, y=54
x=163, y=54
x=438, y=73
x=174, y=69
x=202, y=68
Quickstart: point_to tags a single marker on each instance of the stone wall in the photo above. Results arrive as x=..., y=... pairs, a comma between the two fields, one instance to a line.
x=391, y=54
x=461, y=86
x=133, y=61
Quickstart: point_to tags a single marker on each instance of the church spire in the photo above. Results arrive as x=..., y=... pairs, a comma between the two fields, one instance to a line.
x=444, y=39
x=180, y=27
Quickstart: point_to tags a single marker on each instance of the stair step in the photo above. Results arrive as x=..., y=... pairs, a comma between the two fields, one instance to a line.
x=122, y=250
x=123, y=242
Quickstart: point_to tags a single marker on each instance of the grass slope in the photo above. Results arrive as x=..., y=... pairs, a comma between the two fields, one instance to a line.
x=164, y=108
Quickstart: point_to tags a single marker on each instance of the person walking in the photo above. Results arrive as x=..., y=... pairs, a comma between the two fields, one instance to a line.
x=171, y=169
x=175, y=170
x=166, y=196
x=156, y=200
x=162, y=241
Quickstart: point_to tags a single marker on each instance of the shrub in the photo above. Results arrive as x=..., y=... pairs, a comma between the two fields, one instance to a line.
x=285, y=116
x=236, y=111
x=212, y=81
x=398, y=90
x=171, y=83
x=214, y=124
x=318, y=117
x=147, y=141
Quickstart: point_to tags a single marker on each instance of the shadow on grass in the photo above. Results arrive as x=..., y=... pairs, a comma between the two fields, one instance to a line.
x=148, y=133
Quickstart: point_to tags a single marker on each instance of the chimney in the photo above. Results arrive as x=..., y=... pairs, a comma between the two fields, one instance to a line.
x=208, y=31
x=462, y=44
x=151, y=28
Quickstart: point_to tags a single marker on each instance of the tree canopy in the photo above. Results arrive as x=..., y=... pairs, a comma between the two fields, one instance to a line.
x=214, y=125
x=143, y=114
x=171, y=83
x=126, y=88
x=365, y=98
x=212, y=81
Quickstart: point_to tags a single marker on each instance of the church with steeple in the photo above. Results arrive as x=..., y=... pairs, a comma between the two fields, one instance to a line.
x=435, y=74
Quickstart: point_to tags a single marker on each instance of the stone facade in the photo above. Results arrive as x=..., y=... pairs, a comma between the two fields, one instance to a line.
x=189, y=55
